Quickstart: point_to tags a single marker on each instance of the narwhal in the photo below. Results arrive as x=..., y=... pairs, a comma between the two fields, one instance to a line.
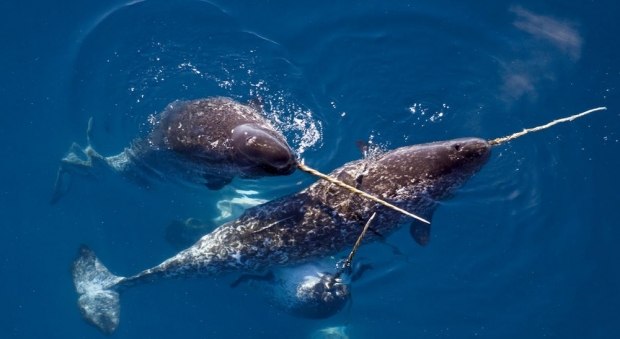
x=204, y=142
x=319, y=221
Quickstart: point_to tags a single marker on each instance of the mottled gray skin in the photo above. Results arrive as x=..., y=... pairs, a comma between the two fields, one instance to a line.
x=307, y=291
x=317, y=222
x=205, y=142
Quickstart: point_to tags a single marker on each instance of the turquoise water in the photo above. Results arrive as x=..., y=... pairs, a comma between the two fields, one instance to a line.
x=526, y=249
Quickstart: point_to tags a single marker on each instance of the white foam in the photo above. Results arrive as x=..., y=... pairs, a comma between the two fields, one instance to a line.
x=297, y=123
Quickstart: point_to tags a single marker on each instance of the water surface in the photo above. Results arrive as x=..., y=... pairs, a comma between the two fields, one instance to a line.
x=525, y=249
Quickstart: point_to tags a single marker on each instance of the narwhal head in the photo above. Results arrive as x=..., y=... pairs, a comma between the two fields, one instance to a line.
x=321, y=298
x=424, y=174
x=433, y=169
x=260, y=148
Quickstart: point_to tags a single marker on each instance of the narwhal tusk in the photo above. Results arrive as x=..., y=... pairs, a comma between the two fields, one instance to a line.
x=358, y=242
x=500, y=141
x=347, y=263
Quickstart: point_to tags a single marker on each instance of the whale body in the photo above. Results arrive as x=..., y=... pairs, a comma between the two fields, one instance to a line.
x=204, y=142
x=319, y=221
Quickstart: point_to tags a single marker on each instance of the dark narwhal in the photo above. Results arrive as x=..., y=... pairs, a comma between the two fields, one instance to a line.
x=205, y=142
x=315, y=223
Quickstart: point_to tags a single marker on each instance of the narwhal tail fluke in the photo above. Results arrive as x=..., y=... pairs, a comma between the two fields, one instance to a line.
x=80, y=162
x=99, y=302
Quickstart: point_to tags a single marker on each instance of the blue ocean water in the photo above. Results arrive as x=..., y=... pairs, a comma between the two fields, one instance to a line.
x=526, y=249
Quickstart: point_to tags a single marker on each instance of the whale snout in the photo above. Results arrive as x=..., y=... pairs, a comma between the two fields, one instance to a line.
x=279, y=162
x=474, y=150
x=264, y=150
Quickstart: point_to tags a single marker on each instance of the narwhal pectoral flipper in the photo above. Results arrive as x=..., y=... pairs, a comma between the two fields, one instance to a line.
x=99, y=301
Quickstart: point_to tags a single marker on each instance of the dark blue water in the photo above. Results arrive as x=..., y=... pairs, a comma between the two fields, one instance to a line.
x=528, y=248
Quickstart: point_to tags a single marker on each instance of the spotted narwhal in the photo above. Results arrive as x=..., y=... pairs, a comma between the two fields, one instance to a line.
x=319, y=221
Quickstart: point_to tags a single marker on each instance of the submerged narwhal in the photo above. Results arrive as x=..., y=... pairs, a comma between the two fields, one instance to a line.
x=204, y=142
